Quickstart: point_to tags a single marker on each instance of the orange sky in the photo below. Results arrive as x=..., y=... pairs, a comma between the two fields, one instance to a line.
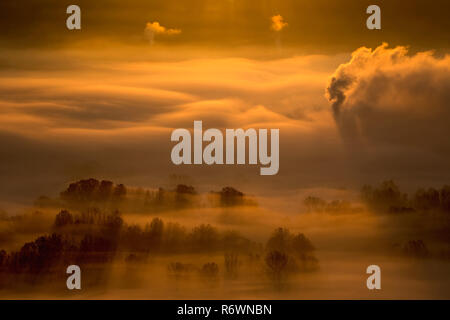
x=72, y=108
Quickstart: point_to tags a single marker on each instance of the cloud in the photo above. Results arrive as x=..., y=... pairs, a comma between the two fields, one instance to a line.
x=278, y=23
x=154, y=28
x=385, y=96
x=114, y=115
x=392, y=110
x=118, y=115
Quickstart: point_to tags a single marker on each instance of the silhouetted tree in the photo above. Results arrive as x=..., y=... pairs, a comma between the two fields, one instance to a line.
x=105, y=190
x=314, y=204
x=3, y=257
x=114, y=221
x=81, y=191
x=154, y=234
x=281, y=240
x=384, y=197
x=119, y=192
x=302, y=245
x=276, y=263
x=38, y=256
x=303, y=249
x=426, y=199
x=63, y=218
x=234, y=241
x=210, y=269
x=96, y=249
x=298, y=247
x=444, y=196
x=184, y=189
x=229, y=196
x=132, y=238
x=160, y=196
x=178, y=269
x=416, y=249
x=174, y=238
x=183, y=195
x=88, y=191
x=204, y=238
x=231, y=263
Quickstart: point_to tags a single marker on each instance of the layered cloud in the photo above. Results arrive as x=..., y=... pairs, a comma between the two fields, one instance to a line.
x=114, y=118
x=69, y=116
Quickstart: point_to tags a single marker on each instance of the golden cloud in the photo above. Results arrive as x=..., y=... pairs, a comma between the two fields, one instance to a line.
x=278, y=23
x=159, y=29
x=154, y=28
x=121, y=111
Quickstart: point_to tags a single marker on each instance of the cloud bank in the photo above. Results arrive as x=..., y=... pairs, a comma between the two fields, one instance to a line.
x=113, y=118
x=386, y=98
x=110, y=117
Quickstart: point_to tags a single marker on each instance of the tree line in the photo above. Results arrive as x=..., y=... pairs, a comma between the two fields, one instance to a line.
x=388, y=197
x=108, y=195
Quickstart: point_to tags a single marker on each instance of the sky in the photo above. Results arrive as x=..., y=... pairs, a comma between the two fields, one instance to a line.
x=353, y=106
x=320, y=26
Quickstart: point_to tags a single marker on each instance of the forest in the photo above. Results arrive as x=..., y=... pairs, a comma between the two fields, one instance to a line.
x=109, y=229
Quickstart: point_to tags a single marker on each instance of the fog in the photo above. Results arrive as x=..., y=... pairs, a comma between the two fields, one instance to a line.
x=182, y=244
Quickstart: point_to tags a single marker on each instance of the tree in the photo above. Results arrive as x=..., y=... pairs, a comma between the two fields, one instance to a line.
x=114, y=221
x=38, y=256
x=63, y=218
x=154, y=234
x=229, y=196
x=3, y=257
x=183, y=195
x=384, y=197
x=444, y=196
x=301, y=245
x=304, y=252
x=120, y=191
x=210, y=269
x=81, y=192
x=298, y=247
x=426, y=199
x=231, y=263
x=132, y=238
x=174, y=238
x=313, y=204
x=281, y=240
x=276, y=262
x=184, y=189
x=105, y=190
x=204, y=238
x=416, y=249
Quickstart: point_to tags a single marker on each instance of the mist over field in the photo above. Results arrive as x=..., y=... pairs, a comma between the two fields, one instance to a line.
x=138, y=243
